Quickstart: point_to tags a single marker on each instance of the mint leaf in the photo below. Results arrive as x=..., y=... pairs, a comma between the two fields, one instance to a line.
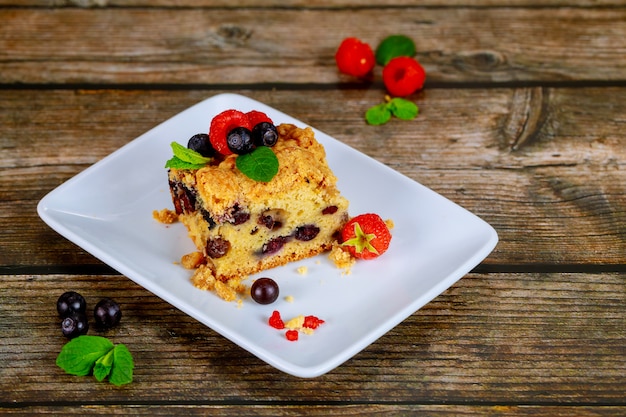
x=394, y=46
x=403, y=109
x=103, y=366
x=80, y=354
x=185, y=158
x=378, y=115
x=123, y=364
x=177, y=163
x=260, y=165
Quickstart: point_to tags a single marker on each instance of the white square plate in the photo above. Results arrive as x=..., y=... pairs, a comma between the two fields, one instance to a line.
x=107, y=210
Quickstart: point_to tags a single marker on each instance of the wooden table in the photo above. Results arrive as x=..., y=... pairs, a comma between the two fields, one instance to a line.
x=522, y=121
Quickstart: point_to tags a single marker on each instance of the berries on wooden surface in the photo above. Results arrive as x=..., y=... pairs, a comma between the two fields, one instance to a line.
x=264, y=291
x=222, y=124
x=107, y=313
x=403, y=76
x=201, y=144
x=366, y=236
x=355, y=57
x=70, y=302
x=74, y=324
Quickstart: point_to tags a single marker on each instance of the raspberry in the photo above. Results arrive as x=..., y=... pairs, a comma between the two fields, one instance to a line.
x=291, y=335
x=222, y=124
x=403, y=76
x=366, y=236
x=354, y=57
x=255, y=117
x=276, y=321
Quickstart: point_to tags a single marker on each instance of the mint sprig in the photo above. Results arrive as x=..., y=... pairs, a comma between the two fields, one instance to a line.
x=259, y=165
x=401, y=108
x=84, y=355
x=185, y=158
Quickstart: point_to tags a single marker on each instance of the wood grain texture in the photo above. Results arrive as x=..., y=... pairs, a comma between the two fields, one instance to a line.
x=529, y=338
x=214, y=46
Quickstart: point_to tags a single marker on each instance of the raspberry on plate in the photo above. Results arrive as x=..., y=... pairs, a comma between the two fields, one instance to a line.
x=354, y=57
x=222, y=124
x=403, y=76
x=366, y=236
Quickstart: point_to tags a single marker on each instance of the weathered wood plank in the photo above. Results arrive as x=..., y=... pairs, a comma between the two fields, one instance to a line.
x=308, y=4
x=361, y=410
x=214, y=46
x=553, y=189
x=530, y=338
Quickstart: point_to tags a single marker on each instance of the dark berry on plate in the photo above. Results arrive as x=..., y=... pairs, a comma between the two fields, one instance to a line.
x=239, y=141
x=107, y=313
x=307, y=232
x=264, y=291
x=71, y=302
x=75, y=324
x=264, y=134
x=201, y=144
x=218, y=247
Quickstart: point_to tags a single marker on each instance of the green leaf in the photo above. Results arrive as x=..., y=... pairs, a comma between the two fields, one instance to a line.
x=123, y=364
x=403, y=109
x=185, y=158
x=260, y=165
x=79, y=355
x=378, y=114
x=394, y=46
x=177, y=163
x=103, y=366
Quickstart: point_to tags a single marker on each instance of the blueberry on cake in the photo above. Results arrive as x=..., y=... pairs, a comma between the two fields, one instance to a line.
x=254, y=196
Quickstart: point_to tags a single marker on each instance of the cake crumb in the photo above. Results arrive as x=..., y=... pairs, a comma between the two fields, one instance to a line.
x=342, y=258
x=192, y=260
x=303, y=270
x=165, y=216
x=204, y=279
x=390, y=224
x=289, y=298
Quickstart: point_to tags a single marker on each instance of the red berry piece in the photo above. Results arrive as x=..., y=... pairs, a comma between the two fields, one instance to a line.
x=291, y=335
x=354, y=57
x=312, y=322
x=276, y=321
x=403, y=76
x=222, y=125
x=366, y=236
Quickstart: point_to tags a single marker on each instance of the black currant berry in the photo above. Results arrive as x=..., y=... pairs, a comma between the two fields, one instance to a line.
x=74, y=324
x=107, y=313
x=264, y=134
x=239, y=141
x=71, y=302
x=264, y=291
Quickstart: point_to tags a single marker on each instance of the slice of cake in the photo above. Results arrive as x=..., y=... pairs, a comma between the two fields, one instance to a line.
x=242, y=225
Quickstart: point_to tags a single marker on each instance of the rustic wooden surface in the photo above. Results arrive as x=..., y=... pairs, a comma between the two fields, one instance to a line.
x=522, y=121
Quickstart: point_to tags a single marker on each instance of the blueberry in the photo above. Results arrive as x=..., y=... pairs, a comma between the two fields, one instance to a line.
x=218, y=247
x=264, y=291
x=107, y=313
x=264, y=134
x=74, y=324
x=71, y=302
x=239, y=141
x=307, y=232
x=201, y=144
